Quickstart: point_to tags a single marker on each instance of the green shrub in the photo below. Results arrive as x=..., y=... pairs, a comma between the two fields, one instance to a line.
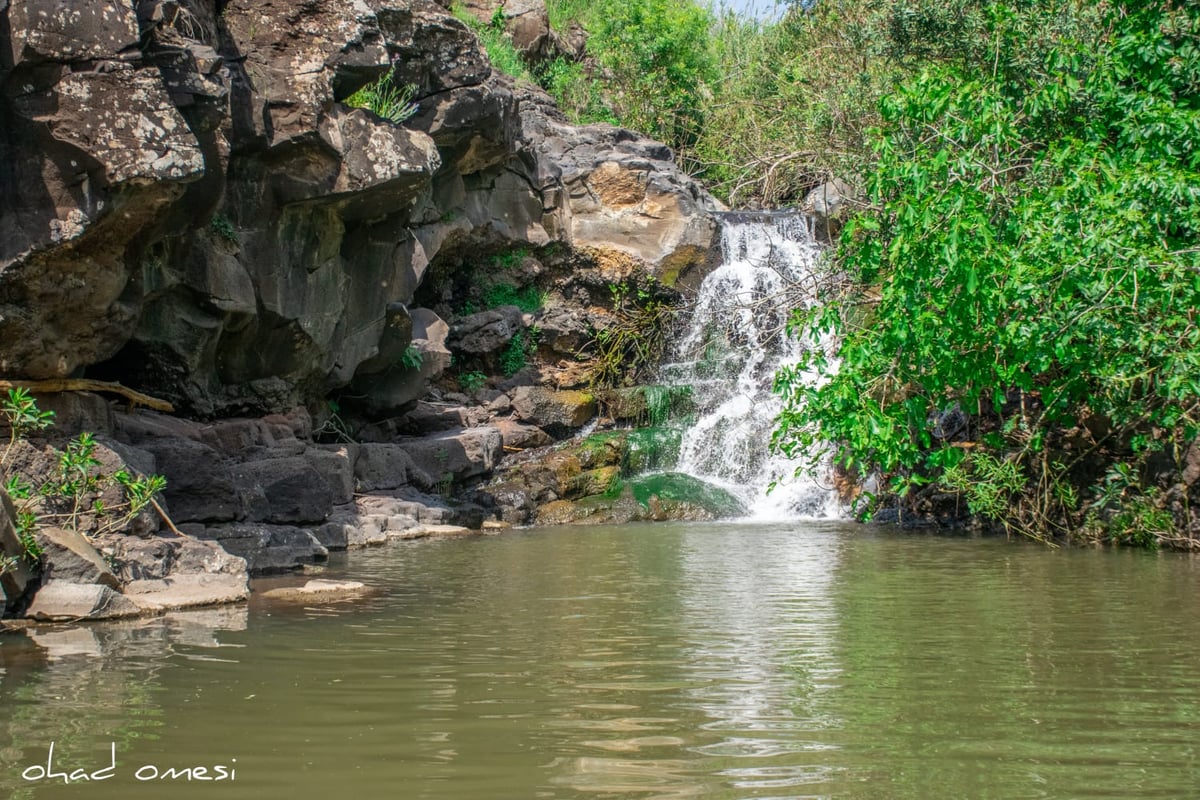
x=519, y=350
x=221, y=226
x=528, y=299
x=472, y=382
x=412, y=358
x=63, y=496
x=1035, y=253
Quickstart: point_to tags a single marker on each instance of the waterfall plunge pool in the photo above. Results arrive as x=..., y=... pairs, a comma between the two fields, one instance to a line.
x=644, y=661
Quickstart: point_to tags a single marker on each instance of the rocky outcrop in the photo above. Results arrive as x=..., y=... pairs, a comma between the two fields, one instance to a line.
x=188, y=205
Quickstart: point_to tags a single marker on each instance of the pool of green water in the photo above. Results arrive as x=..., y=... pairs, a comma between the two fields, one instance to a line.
x=643, y=661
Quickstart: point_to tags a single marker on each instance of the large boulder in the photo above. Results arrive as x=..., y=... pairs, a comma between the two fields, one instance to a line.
x=269, y=548
x=456, y=455
x=608, y=188
x=59, y=601
x=284, y=491
x=387, y=466
x=556, y=412
x=486, y=332
x=527, y=23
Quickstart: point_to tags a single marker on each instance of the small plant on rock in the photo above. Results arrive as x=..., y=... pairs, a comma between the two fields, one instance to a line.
x=412, y=358
x=221, y=226
x=471, y=382
x=23, y=416
x=386, y=100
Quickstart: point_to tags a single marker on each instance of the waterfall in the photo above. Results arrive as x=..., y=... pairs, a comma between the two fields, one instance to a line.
x=735, y=342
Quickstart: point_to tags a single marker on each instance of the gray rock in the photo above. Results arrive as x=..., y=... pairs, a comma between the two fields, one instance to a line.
x=429, y=335
x=487, y=331
x=200, y=484
x=69, y=557
x=291, y=490
x=334, y=534
x=521, y=437
x=427, y=417
x=829, y=204
x=187, y=591
x=269, y=548
x=335, y=464
x=387, y=466
x=170, y=556
x=459, y=454
x=318, y=590
x=57, y=601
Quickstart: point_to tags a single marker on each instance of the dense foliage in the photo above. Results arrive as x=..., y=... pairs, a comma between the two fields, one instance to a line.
x=1017, y=296
x=1033, y=244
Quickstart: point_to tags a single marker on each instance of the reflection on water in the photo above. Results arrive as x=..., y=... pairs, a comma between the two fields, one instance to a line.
x=645, y=661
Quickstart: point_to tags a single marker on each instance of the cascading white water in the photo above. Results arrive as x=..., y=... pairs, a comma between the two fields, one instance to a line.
x=736, y=341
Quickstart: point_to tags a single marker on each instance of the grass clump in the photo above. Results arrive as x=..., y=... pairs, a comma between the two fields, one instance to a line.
x=528, y=299
x=496, y=43
x=386, y=100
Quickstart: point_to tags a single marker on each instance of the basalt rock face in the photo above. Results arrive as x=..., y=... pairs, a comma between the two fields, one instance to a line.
x=188, y=206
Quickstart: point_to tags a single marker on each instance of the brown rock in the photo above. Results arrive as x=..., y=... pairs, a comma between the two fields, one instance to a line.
x=557, y=413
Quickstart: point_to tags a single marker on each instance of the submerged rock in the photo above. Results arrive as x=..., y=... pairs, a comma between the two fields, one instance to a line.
x=318, y=590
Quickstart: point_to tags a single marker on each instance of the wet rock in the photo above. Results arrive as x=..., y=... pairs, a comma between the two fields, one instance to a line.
x=268, y=548
x=593, y=482
x=70, y=558
x=557, y=413
x=57, y=601
x=318, y=590
x=433, y=531
x=513, y=500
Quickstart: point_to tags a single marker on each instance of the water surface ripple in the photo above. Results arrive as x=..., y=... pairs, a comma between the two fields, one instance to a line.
x=666, y=661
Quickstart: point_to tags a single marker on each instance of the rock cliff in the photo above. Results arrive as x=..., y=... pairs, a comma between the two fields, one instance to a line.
x=191, y=206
